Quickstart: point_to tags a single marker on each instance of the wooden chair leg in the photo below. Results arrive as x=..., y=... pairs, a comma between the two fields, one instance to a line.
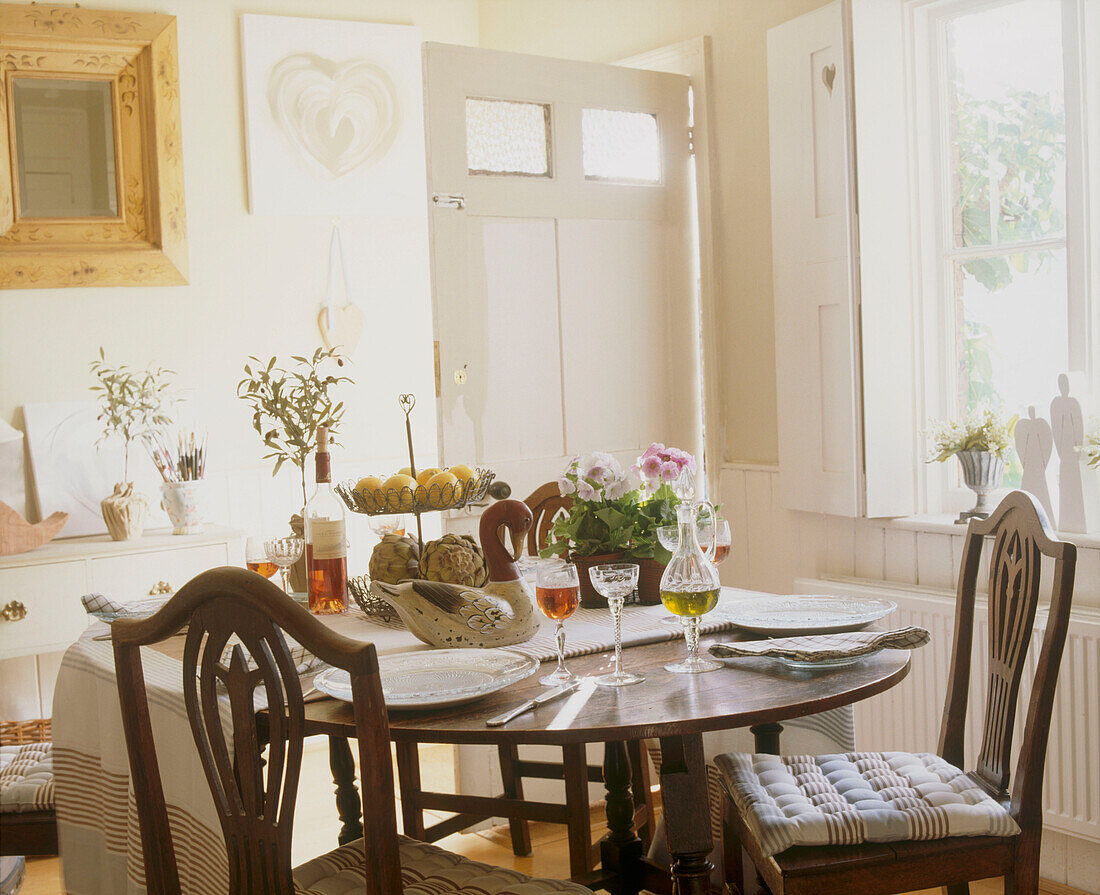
x=733, y=868
x=513, y=789
x=408, y=777
x=957, y=889
x=642, y=790
x=575, y=768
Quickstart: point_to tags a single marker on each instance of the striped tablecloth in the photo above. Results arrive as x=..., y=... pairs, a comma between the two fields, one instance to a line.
x=98, y=829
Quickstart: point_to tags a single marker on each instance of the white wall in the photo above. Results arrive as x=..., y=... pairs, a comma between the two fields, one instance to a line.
x=256, y=283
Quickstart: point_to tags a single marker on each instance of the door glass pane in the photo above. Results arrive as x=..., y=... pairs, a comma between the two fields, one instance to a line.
x=507, y=137
x=1006, y=118
x=1012, y=314
x=621, y=146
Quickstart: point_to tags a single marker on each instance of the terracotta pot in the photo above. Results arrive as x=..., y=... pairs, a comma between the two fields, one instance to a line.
x=590, y=598
x=124, y=512
x=649, y=581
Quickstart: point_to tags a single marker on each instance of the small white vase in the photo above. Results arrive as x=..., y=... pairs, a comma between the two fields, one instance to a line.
x=124, y=512
x=184, y=503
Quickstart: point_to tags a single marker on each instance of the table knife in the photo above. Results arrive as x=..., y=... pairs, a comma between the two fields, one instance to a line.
x=507, y=716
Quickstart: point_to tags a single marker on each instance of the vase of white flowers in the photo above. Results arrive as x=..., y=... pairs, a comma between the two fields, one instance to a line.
x=981, y=442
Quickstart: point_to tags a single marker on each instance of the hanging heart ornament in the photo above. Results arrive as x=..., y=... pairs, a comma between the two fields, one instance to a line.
x=340, y=115
x=341, y=327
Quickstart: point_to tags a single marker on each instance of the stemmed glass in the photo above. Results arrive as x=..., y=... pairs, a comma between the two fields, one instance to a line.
x=284, y=552
x=616, y=581
x=558, y=593
x=387, y=525
x=255, y=558
x=690, y=589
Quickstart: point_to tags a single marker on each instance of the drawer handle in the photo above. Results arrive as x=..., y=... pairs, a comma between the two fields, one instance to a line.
x=14, y=611
x=161, y=587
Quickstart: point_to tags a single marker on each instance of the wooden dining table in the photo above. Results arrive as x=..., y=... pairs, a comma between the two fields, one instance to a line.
x=676, y=709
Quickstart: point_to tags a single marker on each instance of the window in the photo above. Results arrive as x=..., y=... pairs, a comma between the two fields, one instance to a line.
x=1004, y=312
x=620, y=146
x=507, y=137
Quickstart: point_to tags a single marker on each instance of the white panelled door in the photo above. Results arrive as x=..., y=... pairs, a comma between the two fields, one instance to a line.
x=562, y=272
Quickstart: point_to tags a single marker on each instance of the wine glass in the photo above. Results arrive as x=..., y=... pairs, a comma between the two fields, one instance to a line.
x=558, y=593
x=722, y=539
x=284, y=552
x=255, y=558
x=616, y=581
x=387, y=525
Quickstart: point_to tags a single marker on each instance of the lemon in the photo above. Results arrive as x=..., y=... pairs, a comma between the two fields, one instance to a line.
x=405, y=470
x=443, y=485
x=399, y=492
x=425, y=475
x=462, y=472
x=367, y=488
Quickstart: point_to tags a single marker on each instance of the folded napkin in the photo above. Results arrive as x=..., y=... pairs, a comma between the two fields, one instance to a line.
x=823, y=647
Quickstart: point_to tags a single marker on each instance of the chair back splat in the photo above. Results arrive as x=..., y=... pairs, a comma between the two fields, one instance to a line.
x=1021, y=538
x=545, y=503
x=235, y=646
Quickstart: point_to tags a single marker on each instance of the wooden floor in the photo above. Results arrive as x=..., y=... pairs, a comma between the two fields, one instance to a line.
x=316, y=827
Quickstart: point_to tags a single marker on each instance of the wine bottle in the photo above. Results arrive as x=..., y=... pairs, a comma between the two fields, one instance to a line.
x=326, y=540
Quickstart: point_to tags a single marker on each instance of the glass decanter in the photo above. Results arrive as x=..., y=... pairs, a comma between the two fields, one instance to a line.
x=690, y=584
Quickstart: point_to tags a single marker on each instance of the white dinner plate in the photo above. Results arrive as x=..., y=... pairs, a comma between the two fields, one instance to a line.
x=806, y=614
x=428, y=679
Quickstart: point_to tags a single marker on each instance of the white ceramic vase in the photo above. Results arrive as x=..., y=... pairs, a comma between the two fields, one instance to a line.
x=184, y=503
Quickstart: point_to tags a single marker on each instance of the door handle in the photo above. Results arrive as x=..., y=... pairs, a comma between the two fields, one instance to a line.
x=500, y=490
x=449, y=200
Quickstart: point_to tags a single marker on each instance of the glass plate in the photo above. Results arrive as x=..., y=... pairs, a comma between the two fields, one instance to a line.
x=809, y=614
x=425, y=679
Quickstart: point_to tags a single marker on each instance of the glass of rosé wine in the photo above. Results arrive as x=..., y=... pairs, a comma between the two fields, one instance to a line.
x=255, y=558
x=558, y=593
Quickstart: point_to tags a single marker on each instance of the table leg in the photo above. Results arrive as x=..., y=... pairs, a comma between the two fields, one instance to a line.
x=620, y=849
x=767, y=737
x=348, y=802
x=687, y=813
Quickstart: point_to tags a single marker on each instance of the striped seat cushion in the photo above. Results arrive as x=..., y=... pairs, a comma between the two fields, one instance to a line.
x=425, y=870
x=26, y=777
x=858, y=797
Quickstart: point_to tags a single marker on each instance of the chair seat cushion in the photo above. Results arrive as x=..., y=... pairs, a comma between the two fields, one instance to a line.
x=26, y=777
x=425, y=870
x=858, y=797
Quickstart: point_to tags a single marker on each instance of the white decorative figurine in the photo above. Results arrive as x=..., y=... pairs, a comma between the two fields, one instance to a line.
x=1034, y=445
x=1068, y=426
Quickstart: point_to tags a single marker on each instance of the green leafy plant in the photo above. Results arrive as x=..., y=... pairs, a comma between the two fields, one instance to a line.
x=290, y=404
x=132, y=403
x=984, y=429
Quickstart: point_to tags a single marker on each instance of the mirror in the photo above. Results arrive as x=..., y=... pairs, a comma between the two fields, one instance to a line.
x=91, y=149
x=64, y=148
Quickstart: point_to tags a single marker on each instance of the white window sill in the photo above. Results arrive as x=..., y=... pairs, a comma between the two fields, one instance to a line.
x=945, y=524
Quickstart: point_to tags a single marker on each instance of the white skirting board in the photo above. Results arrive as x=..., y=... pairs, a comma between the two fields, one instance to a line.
x=908, y=716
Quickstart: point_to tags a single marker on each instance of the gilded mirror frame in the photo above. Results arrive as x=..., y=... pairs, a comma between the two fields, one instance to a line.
x=146, y=243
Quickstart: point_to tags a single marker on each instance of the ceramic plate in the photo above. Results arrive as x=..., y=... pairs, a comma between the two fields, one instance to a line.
x=428, y=679
x=839, y=662
x=791, y=616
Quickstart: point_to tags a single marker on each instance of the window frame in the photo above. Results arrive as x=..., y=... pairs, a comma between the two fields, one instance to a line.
x=934, y=252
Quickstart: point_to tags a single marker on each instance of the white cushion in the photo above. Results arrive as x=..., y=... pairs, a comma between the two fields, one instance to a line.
x=425, y=870
x=856, y=797
x=26, y=777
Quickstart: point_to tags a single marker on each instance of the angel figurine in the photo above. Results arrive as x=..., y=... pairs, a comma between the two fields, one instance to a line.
x=1034, y=445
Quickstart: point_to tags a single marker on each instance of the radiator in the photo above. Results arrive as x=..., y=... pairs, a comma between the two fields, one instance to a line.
x=908, y=716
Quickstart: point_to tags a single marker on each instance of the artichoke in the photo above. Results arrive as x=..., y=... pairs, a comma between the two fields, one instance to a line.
x=396, y=558
x=454, y=559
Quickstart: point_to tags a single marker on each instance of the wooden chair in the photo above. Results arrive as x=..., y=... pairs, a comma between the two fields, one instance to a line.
x=545, y=502
x=1021, y=537
x=255, y=803
x=30, y=829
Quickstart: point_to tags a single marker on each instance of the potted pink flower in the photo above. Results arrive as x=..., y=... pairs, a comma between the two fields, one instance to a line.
x=657, y=468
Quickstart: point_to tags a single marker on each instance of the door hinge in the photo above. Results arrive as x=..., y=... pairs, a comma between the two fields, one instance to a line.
x=449, y=200
x=691, y=141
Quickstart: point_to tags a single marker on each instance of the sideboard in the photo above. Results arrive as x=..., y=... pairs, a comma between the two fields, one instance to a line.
x=40, y=591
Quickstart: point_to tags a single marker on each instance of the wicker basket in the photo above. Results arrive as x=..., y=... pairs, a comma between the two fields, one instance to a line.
x=34, y=730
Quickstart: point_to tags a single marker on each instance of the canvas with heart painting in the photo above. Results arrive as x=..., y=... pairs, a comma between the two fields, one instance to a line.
x=334, y=117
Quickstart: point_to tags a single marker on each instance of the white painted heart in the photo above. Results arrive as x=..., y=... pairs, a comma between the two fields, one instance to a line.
x=341, y=115
x=344, y=328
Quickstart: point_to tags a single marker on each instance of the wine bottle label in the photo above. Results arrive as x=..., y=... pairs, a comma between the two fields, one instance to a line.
x=328, y=538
